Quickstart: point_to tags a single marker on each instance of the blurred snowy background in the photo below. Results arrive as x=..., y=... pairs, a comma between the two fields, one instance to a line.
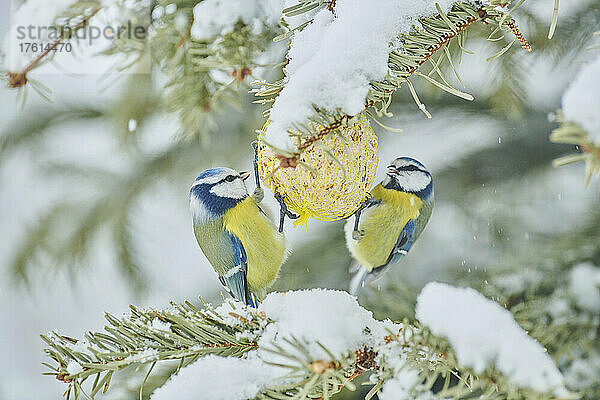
x=94, y=189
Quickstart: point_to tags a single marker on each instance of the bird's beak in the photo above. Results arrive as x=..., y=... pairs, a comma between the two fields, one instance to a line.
x=244, y=175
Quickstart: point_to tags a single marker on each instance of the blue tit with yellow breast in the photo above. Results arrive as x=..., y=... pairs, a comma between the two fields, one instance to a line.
x=390, y=221
x=236, y=236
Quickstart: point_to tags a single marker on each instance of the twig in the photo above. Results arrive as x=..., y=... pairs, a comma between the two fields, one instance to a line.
x=513, y=28
x=19, y=79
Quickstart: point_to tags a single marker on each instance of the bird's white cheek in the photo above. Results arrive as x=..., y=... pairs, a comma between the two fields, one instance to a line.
x=416, y=182
x=231, y=190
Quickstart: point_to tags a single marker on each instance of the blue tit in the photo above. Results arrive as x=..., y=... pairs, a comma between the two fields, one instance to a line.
x=236, y=236
x=390, y=221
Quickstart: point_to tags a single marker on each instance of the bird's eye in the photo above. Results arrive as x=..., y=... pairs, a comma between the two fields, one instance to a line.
x=230, y=178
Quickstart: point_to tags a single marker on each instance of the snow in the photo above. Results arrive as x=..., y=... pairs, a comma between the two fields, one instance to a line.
x=333, y=318
x=233, y=313
x=171, y=8
x=74, y=368
x=482, y=333
x=584, y=372
x=400, y=386
x=40, y=12
x=558, y=308
x=160, y=325
x=158, y=221
x=144, y=356
x=218, y=17
x=342, y=326
x=132, y=125
x=404, y=380
x=38, y=21
x=584, y=285
x=333, y=59
x=219, y=378
x=581, y=101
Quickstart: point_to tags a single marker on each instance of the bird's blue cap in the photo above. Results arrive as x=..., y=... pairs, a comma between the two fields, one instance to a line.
x=210, y=172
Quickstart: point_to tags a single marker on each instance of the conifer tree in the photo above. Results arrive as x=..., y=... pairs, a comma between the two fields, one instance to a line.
x=229, y=71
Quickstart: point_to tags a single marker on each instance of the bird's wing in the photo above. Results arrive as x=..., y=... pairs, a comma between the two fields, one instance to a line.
x=403, y=244
x=409, y=234
x=235, y=279
x=423, y=218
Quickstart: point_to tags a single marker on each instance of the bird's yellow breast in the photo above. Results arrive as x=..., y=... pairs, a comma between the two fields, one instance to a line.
x=381, y=226
x=264, y=246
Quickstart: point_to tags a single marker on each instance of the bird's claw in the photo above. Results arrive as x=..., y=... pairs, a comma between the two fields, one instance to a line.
x=291, y=215
x=356, y=233
x=254, y=145
x=259, y=194
x=283, y=207
x=366, y=202
x=283, y=210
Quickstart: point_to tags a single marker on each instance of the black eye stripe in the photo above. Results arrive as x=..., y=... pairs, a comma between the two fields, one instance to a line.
x=407, y=168
x=229, y=178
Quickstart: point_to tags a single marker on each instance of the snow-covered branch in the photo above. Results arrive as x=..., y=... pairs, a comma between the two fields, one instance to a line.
x=580, y=119
x=313, y=343
x=352, y=56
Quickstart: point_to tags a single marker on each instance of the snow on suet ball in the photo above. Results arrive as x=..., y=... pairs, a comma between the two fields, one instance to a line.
x=332, y=176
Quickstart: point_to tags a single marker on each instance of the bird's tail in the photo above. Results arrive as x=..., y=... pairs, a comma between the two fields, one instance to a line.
x=252, y=300
x=354, y=267
x=358, y=281
x=363, y=276
x=237, y=286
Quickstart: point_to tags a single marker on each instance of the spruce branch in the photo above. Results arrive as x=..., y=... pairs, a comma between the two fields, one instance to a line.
x=572, y=133
x=578, y=124
x=187, y=334
x=19, y=79
x=418, y=46
x=205, y=74
x=540, y=297
x=145, y=336
x=112, y=209
x=26, y=131
x=61, y=237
